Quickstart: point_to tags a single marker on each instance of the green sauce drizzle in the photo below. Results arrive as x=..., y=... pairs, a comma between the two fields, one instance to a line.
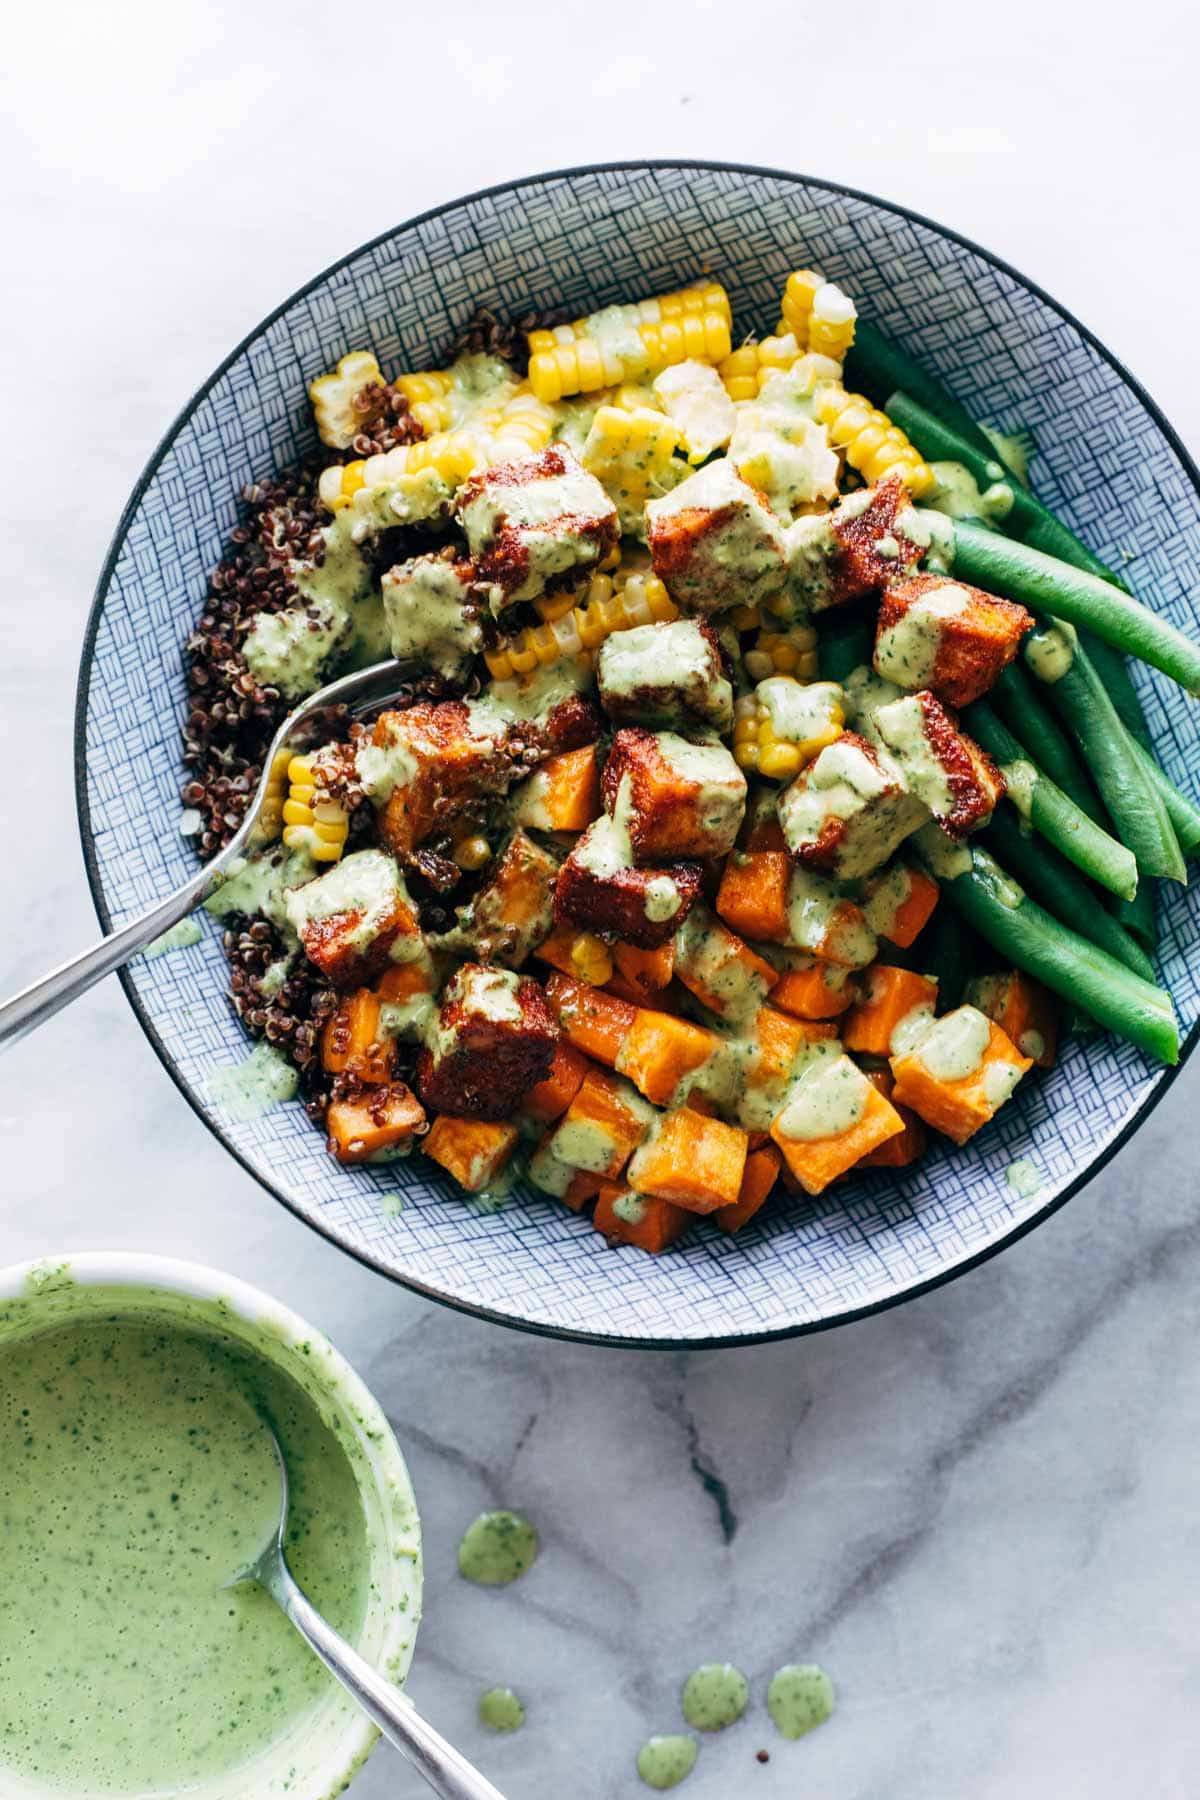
x=501, y=1710
x=498, y=1548
x=714, y=1695
x=799, y=1699
x=663, y=1762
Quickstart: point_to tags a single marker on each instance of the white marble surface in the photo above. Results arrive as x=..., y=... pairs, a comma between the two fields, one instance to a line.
x=979, y=1512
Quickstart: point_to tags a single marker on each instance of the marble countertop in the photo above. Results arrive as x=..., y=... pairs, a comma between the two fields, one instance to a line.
x=979, y=1511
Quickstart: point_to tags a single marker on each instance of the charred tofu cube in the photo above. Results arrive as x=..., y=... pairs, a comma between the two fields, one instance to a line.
x=662, y=674
x=600, y=890
x=529, y=521
x=715, y=542
x=849, y=810
x=423, y=765
x=429, y=612
x=355, y=918
x=853, y=550
x=942, y=766
x=675, y=798
x=493, y=1041
x=943, y=635
x=512, y=914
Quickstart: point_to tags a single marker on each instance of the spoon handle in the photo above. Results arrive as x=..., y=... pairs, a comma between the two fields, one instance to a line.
x=447, y=1773
x=42, y=999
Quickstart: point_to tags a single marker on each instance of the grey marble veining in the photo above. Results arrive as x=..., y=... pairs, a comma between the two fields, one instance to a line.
x=979, y=1512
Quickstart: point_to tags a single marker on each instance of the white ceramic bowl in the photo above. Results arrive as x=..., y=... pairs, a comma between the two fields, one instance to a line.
x=322, y=1752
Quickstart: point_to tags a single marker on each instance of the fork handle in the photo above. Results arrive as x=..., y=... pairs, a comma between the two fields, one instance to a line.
x=447, y=1772
x=39, y=1002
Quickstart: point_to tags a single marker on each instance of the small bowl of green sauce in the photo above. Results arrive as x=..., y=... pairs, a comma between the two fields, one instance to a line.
x=135, y=1478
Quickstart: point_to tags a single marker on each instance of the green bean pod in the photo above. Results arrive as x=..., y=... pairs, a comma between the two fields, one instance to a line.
x=1058, y=886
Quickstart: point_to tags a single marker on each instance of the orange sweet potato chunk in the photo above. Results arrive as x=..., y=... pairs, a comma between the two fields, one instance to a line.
x=960, y=1106
x=907, y=1146
x=660, y=1050
x=696, y=1162
x=550, y=1098
x=563, y=794
x=644, y=1220
x=351, y=1044
x=595, y=1022
x=815, y=1162
x=599, y=1130
x=647, y=972
x=890, y=995
x=753, y=894
x=762, y=1170
x=472, y=1150
x=379, y=1119
x=823, y=991
x=1025, y=1011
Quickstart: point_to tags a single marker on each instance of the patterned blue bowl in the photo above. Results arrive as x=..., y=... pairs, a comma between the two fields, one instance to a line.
x=1107, y=459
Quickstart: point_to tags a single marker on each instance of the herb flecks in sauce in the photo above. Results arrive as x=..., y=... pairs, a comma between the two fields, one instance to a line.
x=663, y=1762
x=501, y=1710
x=714, y=1696
x=497, y=1548
x=799, y=1698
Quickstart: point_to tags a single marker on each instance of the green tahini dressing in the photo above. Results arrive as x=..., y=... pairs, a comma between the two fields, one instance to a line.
x=799, y=1698
x=714, y=1695
x=663, y=1762
x=501, y=1710
x=497, y=1548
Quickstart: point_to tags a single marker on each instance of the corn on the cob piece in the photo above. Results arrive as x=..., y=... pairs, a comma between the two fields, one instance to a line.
x=632, y=455
x=640, y=600
x=525, y=425
x=784, y=724
x=429, y=397
x=623, y=343
x=451, y=454
x=745, y=371
x=270, y=818
x=318, y=826
x=801, y=290
x=790, y=652
x=872, y=444
x=831, y=322
x=338, y=420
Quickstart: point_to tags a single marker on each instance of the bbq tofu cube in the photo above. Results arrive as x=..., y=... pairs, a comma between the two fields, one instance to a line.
x=531, y=520
x=940, y=634
x=659, y=674
x=715, y=542
x=512, y=914
x=677, y=798
x=493, y=1041
x=355, y=918
x=853, y=550
x=942, y=766
x=422, y=766
x=600, y=890
x=425, y=603
x=849, y=810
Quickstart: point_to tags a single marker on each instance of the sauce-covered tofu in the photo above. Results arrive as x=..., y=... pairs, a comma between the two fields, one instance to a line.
x=514, y=910
x=849, y=810
x=942, y=766
x=944, y=635
x=661, y=674
x=715, y=542
x=424, y=763
x=494, y=1040
x=529, y=521
x=682, y=799
x=355, y=918
x=427, y=606
x=852, y=550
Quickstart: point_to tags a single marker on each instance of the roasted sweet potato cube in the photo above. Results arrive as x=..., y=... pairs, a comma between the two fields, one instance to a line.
x=899, y=903
x=355, y=918
x=895, y=1008
x=677, y=798
x=668, y=674
x=942, y=766
x=594, y=1021
x=603, y=1126
x=599, y=890
x=753, y=896
x=514, y=910
x=555, y=1092
x=474, y=1151
x=908, y=1146
x=715, y=542
x=716, y=966
x=352, y=1042
x=423, y=765
x=563, y=794
x=849, y=809
x=758, y=1179
x=647, y=972
x=822, y=921
x=376, y=1121
x=833, y=1119
x=814, y=990
x=694, y=1161
x=494, y=1041
x=533, y=519
x=960, y=1073
x=944, y=635
x=661, y=1051
x=642, y=1220
x=1025, y=1011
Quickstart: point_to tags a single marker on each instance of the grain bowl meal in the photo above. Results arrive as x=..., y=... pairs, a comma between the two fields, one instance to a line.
x=766, y=790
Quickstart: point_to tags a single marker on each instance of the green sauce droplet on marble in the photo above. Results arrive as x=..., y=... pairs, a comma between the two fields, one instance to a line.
x=501, y=1710
x=714, y=1695
x=799, y=1699
x=663, y=1762
x=497, y=1548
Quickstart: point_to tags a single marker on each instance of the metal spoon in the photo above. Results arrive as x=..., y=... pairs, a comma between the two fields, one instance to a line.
x=362, y=692
x=447, y=1773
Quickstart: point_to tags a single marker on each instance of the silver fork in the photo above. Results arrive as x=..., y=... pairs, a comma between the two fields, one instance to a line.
x=361, y=692
x=444, y=1768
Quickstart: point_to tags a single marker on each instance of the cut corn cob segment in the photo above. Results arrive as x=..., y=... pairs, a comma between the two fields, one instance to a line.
x=453, y=455
x=640, y=600
x=785, y=723
x=831, y=322
x=747, y=368
x=801, y=290
x=318, y=826
x=270, y=820
x=625, y=343
x=633, y=456
x=429, y=398
x=525, y=426
x=333, y=397
x=790, y=652
x=872, y=444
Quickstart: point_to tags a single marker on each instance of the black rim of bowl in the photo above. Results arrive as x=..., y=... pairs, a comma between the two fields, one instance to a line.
x=1162, y=1082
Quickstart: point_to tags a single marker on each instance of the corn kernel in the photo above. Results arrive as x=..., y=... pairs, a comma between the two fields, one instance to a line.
x=470, y=853
x=779, y=761
x=746, y=755
x=591, y=960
